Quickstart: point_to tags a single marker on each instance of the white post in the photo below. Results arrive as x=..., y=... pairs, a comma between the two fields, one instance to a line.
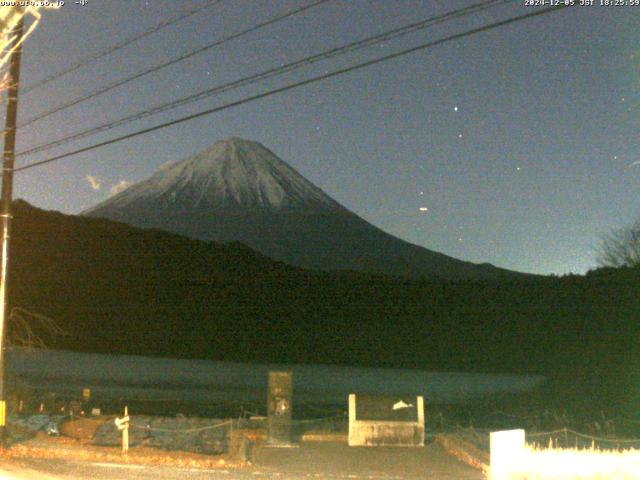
x=420, y=402
x=507, y=448
x=125, y=432
x=352, y=418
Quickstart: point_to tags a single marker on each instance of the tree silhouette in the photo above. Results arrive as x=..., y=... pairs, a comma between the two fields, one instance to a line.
x=621, y=248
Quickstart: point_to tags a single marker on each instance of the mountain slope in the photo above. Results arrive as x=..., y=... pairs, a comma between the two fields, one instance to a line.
x=240, y=191
x=119, y=289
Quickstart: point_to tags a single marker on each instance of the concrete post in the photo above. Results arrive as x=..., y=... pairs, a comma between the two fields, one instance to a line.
x=507, y=447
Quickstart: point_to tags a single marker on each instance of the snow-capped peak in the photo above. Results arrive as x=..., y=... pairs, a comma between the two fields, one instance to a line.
x=233, y=174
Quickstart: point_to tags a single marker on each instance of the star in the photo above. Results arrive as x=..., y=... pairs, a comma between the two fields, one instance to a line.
x=455, y=109
x=459, y=135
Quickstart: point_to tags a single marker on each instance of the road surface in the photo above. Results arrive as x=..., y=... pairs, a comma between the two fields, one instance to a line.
x=321, y=461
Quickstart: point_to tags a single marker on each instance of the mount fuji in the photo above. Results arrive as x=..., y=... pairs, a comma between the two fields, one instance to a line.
x=239, y=191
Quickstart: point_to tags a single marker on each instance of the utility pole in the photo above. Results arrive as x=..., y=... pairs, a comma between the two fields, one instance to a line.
x=5, y=205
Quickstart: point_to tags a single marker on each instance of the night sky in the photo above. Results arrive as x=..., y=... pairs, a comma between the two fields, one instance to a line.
x=516, y=146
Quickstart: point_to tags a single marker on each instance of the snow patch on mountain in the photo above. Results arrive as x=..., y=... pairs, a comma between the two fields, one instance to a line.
x=233, y=174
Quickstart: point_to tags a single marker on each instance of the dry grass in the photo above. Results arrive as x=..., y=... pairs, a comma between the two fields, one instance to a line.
x=67, y=448
x=81, y=428
x=573, y=464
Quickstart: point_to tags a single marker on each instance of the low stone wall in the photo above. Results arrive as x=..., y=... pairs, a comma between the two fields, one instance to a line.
x=378, y=420
x=464, y=451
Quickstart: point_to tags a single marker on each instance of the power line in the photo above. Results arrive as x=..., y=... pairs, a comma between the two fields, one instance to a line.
x=173, y=61
x=273, y=72
x=109, y=50
x=292, y=86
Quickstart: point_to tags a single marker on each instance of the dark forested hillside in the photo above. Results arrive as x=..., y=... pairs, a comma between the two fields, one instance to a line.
x=119, y=289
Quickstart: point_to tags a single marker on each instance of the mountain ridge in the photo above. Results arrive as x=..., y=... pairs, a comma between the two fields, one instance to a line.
x=238, y=190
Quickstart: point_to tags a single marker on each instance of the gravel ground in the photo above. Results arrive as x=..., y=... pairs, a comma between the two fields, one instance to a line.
x=318, y=460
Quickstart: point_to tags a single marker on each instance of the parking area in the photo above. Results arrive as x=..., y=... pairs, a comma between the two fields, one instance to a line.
x=332, y=460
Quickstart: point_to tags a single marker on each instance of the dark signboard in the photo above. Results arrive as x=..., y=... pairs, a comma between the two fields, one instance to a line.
x=383, y=407
x=279, y=396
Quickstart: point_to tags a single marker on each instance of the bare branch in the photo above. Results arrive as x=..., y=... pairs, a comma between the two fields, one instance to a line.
x=621, y=248
x=23, y=325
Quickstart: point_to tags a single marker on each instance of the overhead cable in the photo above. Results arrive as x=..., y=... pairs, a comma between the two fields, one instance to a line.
x=295, y=85
x=270, y=73
x=117, y=46
x=124, y=81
